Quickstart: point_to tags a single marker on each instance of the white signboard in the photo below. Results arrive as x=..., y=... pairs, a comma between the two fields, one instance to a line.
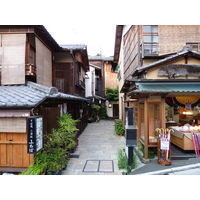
x=164, y=143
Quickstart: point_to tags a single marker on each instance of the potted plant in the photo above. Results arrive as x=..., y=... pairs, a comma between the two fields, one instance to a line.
x=119, y=128
x=54, y=156
x=95, y=112
x=49, y=160
x=67, y=132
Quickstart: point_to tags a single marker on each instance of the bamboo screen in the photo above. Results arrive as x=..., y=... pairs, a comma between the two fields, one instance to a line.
x=13, y=59
x=13, y=124
x=44, y=64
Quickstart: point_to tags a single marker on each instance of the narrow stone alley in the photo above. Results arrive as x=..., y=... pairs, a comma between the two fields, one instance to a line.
x=96, y=153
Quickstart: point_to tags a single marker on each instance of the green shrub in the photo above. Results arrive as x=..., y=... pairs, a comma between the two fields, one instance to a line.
x=119, y=128
x=123, y=160
x=55, y=153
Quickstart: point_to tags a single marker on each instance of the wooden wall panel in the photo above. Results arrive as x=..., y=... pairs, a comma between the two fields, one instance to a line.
x=43, y=64
x=65, y=71
x=50, y=118
x=131, y=51
x=13, y=150
x=13, y=59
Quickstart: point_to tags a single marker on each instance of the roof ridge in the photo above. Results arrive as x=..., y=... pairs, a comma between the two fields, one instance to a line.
x=42, y=88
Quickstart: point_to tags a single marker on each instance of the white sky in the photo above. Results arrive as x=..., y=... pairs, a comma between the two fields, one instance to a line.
x=92, y=22
x=98, y=38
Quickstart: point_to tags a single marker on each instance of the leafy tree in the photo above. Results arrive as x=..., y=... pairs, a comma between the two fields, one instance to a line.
x=112, y=94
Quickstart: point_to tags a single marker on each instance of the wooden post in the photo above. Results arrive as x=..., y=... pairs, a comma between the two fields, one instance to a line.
x=146, y=129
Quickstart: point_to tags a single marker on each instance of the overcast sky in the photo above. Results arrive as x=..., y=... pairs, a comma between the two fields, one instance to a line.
x=99, y=38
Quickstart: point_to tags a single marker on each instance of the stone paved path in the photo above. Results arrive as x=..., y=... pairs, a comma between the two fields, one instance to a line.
x=96, y=153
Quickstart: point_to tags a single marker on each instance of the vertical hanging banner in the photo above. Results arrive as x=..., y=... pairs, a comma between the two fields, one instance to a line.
x=35, y=134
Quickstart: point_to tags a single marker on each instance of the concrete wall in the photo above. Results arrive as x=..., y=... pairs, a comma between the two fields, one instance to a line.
x=90, y=83
x=110, y=77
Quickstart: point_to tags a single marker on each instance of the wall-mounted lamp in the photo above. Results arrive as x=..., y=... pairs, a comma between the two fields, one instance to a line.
x=109, y=105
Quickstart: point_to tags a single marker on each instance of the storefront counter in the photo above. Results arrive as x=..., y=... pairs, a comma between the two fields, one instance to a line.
x=182, y=139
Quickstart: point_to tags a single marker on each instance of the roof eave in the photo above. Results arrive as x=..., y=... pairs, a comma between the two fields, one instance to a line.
x=118, y=38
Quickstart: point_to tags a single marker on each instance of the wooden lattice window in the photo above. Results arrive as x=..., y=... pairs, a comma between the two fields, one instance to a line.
x=60, y=84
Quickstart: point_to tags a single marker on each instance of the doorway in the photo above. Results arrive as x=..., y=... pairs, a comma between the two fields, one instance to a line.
x=116, y=111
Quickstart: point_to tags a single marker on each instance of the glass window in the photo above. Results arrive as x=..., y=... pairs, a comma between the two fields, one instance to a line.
x=147, y=38
x=150, y=38
x=154, y=29
x=141, y=120
x=154, y=119
x=150, y=29
x=147, y=29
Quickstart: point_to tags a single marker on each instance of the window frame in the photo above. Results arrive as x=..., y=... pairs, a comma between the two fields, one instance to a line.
x=152, y=44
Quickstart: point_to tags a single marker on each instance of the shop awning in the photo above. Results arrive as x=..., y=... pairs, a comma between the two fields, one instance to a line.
x=166, y=88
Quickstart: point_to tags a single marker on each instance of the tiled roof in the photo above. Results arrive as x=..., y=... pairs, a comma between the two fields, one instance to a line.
x=185, y=50
x=74, y=46
x=95, y=66
x=100, y=58
x=30, y=95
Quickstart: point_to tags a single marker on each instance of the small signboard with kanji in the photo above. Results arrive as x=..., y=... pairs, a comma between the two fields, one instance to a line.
x=35, y=134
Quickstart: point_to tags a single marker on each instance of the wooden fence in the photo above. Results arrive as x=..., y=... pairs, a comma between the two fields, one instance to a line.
x=81, y=125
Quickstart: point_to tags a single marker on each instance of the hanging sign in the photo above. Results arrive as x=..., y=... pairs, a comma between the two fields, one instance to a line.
x=164, y=143
x=188, y=106
x=35, y=134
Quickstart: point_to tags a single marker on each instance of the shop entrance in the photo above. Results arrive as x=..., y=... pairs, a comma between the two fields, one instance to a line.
x=182, y=110
x=183, y=116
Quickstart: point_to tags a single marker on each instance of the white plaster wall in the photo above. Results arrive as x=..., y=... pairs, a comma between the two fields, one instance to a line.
x=90, y=88
x=109, y=110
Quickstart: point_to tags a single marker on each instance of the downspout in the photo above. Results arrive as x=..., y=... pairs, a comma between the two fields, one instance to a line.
x=139, y=55
x=72, y=55
x=93, y=83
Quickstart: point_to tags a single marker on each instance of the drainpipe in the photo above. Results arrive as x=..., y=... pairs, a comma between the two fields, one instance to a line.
x=72, y=55
x=93, y=83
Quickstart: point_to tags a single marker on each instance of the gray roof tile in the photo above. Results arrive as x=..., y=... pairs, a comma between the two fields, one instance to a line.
x=74, y=46
x=30, y=95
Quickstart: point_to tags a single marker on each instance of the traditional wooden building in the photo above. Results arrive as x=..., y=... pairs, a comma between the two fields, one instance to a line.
x=107, y=78
x=37, y=78
x=161, y=76
x=70, y=65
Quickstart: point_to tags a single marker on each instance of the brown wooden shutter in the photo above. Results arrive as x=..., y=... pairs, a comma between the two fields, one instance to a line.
x=43, y=64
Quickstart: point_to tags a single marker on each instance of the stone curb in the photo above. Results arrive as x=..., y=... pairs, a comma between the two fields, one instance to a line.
x=171, y=170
